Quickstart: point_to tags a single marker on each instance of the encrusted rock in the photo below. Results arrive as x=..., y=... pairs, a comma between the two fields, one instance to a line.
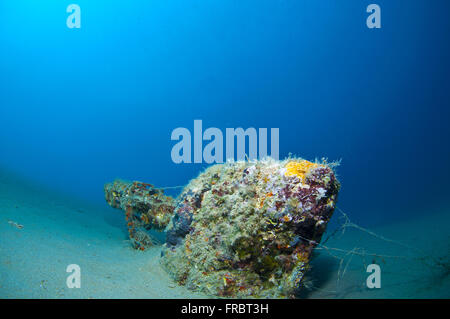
x=247, y=229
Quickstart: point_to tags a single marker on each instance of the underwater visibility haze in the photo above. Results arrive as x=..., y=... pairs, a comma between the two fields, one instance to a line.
x=102, y=100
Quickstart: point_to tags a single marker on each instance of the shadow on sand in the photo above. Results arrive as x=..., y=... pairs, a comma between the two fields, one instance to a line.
x=322, y=269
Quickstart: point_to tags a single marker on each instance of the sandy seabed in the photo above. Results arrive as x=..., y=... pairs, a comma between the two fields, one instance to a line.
x=58, y=231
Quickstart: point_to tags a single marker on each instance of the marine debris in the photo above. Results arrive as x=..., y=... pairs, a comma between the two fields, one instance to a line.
x=145, y=206
x=243, y=229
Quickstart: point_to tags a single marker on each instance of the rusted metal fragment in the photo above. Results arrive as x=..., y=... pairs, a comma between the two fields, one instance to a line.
x=145, y=207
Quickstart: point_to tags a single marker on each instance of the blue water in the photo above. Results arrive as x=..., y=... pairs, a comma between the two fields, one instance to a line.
x=80, y=107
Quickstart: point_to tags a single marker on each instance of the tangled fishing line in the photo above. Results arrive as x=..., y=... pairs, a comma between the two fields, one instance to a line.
x=441, y=264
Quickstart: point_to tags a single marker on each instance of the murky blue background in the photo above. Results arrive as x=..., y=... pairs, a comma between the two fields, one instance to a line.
x=79, y=108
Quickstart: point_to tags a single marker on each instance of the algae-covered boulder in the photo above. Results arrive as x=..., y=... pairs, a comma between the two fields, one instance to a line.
x=247, y=229
x=240, y=229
